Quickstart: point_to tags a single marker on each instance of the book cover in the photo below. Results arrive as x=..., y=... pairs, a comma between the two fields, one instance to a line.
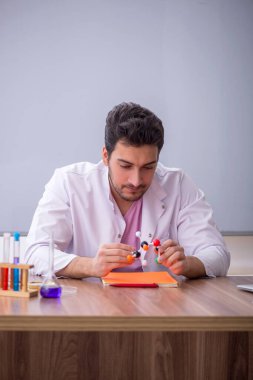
x=139, y=278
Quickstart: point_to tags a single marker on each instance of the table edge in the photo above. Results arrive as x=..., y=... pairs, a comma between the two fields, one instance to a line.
x=122, y=323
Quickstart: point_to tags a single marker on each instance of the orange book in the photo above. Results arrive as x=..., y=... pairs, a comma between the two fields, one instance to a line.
x=139, y=279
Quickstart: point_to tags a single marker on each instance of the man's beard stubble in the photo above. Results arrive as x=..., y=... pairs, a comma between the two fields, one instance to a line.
x=119, y=192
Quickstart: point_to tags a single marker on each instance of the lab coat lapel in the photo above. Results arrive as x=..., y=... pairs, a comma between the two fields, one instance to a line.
x=152, y=209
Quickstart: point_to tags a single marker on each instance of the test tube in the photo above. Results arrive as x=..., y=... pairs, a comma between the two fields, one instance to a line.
x=16, y=255
x=6, y=255
x=16, y=247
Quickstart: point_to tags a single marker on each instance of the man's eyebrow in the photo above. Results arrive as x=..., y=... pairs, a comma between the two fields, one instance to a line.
x=130, y=163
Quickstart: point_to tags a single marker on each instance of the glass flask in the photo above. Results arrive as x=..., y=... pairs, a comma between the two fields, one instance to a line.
x=50, y=287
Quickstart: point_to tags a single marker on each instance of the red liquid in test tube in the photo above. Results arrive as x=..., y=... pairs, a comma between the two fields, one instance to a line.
x=6, y=255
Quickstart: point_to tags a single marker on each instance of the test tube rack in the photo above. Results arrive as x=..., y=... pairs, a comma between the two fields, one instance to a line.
x=23, y=288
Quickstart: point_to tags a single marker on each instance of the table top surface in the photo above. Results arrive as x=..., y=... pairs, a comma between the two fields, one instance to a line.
x=214, y=303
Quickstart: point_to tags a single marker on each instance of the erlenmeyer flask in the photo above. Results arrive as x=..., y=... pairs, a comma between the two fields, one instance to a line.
x=50, y=287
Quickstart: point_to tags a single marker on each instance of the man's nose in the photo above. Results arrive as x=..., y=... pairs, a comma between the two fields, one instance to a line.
x=135, y=178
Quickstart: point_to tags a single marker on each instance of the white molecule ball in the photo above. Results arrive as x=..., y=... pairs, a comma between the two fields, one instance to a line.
x=138, y=234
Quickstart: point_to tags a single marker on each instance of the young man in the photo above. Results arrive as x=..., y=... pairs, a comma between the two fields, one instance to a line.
x=95, y=210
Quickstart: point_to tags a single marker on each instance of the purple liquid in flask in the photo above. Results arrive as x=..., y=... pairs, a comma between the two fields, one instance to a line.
x=50, y=287
x=49, y=291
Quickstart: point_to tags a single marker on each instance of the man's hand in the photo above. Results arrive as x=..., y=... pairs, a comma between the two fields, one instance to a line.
x=173, y=257
x=108, y=257
x=111, y=256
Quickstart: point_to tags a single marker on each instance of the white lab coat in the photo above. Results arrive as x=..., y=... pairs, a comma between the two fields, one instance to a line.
x=76, y=206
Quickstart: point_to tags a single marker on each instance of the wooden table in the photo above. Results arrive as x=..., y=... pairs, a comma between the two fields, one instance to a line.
x=201, y=330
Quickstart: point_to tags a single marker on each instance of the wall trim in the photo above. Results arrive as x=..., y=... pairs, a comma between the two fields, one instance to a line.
x=237, y=233
x=224, y=233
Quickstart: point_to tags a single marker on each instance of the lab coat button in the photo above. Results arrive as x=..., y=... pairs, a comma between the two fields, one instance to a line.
x=119, y=236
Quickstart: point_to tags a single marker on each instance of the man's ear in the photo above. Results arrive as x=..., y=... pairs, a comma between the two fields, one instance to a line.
x=105, y=156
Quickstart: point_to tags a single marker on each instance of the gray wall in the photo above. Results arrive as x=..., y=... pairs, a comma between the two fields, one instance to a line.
x=65, y=64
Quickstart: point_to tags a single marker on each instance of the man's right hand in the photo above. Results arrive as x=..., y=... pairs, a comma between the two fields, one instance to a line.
x=110, y=256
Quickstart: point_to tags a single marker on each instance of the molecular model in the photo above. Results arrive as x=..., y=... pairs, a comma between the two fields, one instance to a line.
x=144, y=247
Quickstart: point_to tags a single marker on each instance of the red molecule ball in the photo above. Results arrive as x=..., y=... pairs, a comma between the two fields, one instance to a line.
x=156, y=243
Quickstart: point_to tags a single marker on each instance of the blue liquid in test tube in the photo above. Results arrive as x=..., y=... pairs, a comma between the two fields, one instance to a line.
x=16, y=255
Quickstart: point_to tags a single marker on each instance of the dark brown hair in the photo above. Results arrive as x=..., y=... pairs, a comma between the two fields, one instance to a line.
x=133, y=125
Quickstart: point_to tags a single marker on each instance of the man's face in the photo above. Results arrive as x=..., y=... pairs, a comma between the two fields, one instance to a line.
x=131, y=170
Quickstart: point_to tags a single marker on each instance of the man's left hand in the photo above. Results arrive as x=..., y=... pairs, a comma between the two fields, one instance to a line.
x=172, y=256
